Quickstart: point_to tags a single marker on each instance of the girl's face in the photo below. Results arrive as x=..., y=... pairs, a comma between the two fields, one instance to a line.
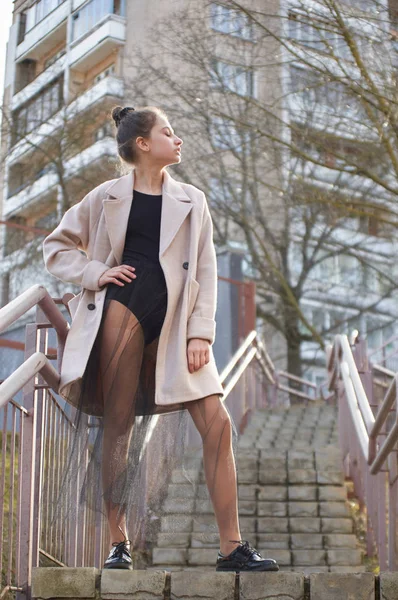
x=164, y=145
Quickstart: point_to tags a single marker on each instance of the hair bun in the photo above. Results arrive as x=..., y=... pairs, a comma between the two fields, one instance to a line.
x=119, y=112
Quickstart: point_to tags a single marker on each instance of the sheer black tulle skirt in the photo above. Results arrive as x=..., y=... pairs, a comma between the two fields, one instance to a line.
x=125, y=450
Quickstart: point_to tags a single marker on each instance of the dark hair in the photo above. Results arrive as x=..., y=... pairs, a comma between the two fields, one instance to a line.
x=132, y=123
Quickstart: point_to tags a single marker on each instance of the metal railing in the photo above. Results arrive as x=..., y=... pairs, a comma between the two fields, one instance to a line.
x=35, y=435
x=368, y=434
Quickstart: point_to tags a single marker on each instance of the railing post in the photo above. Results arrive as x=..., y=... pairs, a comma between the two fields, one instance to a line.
x=249, y=290
x=40, y=400
x=275, y=387
x=360, y=354
x=371, y=500
x=392, y=511
x=380, y=484
x=27, y=544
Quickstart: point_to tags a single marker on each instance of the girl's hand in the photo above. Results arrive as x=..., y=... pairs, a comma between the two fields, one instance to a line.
x=198, y=353
x=124, y=272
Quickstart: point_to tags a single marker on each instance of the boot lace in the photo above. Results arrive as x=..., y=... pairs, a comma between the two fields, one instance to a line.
x=245, y=548
x=120, y=548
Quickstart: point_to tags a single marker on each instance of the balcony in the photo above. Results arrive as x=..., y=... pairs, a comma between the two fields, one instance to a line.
x=349, y=184
x=45, y=186
x=109, y=86
x=349, y=297
x=337, y=119
x=39, y=83
x=92, y=48
x=44, y=36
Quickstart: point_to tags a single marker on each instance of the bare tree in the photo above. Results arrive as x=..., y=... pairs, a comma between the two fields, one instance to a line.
x=56, y=149
x=300, y=170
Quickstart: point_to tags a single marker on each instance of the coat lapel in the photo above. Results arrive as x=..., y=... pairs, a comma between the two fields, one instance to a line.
x=176, y=205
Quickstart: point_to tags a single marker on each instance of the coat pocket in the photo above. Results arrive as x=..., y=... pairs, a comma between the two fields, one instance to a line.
x=192, y=294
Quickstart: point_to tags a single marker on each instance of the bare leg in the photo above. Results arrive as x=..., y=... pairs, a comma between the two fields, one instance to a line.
x=121, y=344
x=214, y=425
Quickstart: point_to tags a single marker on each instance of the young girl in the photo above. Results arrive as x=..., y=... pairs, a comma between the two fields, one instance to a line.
x=138, y=358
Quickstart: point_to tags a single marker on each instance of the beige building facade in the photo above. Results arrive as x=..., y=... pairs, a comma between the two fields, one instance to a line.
x=68, y=63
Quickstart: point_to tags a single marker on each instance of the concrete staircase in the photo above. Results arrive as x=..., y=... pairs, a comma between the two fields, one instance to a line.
x=292, y=499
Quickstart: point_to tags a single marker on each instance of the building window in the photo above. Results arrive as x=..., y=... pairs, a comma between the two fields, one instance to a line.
x=15, y=236
x=39, y=110
x=349, y=270
x=220, y=192
x=373, y=332
x=237, y=78
x=226, y=135
x=44, y=7
x=228, y=192
x=39, y=11
x=303, y=31
x=48, y=221
x=50, y=61
x=92, y=12
x=376, y=224
x=47, y=169
x=365, y=5
x=311, y=87
x=105, y=73
x=119, y=7
x=22, y=27
x=311, y=91
x=19, y=178
x=231, y=21
x=322, y=36
x=106, y=130
x=5, y=289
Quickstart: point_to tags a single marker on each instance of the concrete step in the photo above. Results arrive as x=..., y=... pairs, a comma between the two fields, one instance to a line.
x=161, y=582
x=303, y=557
x=292, y=501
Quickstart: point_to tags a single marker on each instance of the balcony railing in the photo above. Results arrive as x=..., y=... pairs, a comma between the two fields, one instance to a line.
x=98, y=44
x=111, y=85
x=92, y=14
x=39, y=11
x=53, y=70
x=46, y=33
x=48, y=180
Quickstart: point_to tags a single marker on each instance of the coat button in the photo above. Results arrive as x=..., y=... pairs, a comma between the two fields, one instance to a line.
x=90, y=306
x=185, y=265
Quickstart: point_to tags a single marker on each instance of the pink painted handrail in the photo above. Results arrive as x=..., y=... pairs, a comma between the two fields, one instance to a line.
x=368, y=439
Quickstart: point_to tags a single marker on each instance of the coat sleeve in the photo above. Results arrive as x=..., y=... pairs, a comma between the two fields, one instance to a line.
x=201, y=323
x=62, y=249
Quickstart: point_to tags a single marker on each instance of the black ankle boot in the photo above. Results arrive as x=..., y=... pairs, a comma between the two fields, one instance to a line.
x=119, y=556
x=245, y=558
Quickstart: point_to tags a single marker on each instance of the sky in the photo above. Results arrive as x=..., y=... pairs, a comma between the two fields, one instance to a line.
x=5, y=23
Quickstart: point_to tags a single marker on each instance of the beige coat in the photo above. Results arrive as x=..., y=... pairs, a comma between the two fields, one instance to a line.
x=97, y=225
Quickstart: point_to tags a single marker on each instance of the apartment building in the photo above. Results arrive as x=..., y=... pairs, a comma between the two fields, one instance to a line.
x=63, y=68
x=68, y=62
x=345, y=292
